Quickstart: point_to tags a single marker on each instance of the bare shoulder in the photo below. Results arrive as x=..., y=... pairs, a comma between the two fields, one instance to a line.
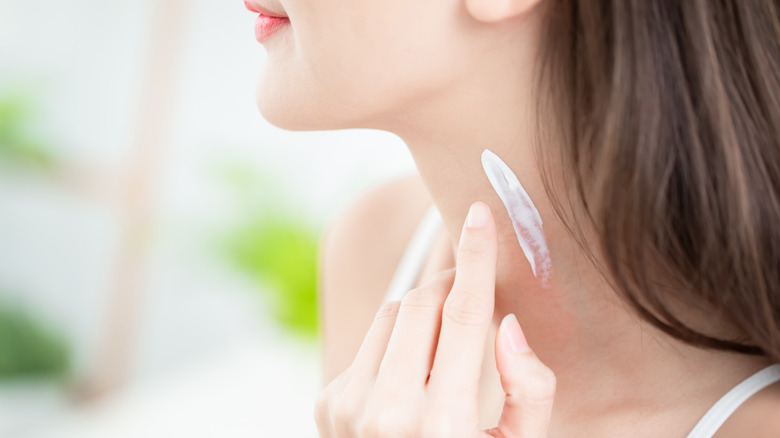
x=359, y=252
x=758, y=417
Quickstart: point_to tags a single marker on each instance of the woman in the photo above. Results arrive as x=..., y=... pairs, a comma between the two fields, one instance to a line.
x=645, y=132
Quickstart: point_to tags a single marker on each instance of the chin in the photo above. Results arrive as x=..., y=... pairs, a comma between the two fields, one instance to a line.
x=294, y=105
x=287, y=120
x=285, y=112
x=304, y=117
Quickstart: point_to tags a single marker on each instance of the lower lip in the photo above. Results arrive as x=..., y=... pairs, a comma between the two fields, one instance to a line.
x=267, y=26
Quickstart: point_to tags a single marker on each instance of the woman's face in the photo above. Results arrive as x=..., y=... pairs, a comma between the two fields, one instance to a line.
x=358, y=63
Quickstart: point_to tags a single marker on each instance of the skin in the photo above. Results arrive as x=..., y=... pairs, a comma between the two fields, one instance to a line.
x=432, y=341
x=451, y=78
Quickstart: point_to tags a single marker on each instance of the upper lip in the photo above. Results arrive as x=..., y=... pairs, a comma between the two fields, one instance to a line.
x=253, y=6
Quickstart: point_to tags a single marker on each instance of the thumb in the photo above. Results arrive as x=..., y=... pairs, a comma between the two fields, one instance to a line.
x=529, y=385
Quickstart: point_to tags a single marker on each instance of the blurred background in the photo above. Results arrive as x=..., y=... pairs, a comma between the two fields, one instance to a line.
x=158, y=238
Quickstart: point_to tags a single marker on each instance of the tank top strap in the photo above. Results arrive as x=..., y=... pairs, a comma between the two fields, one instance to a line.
x=414, y=256
x=723, y=408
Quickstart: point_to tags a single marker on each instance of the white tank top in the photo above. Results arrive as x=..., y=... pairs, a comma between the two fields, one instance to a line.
x=418, y=250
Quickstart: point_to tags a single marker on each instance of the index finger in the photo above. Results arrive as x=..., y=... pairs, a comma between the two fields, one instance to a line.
x=468, y=310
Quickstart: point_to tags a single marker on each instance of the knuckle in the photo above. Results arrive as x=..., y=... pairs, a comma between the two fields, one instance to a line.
x=446, y=276
x=472, y=252
x=323, y=408
x=440, y=424
x=344, y=416
x=388, y=310
x=546, y=381
x=421, y=300
x=321, y=405
x=381, y=423
x=540, y=385
x=466, y=309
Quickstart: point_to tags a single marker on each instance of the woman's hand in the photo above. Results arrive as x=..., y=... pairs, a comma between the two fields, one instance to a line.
x=417, y=372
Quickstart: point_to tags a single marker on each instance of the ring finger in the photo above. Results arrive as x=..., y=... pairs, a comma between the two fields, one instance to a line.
x=409, y=355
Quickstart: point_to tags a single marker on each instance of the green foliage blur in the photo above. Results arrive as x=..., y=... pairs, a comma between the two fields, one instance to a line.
x=273, y=246
x=29, y=349
x=281, y=256
x=19, y=146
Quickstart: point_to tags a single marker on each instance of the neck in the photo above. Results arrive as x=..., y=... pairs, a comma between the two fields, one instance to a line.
x=603, y=355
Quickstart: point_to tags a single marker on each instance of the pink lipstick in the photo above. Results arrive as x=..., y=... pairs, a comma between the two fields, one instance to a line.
x=267, y=26
x=268, y=22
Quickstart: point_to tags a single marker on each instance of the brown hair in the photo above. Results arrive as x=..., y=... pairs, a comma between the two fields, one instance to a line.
x=669, y=111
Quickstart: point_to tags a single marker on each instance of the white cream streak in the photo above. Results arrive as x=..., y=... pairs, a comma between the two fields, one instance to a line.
x=524, y=215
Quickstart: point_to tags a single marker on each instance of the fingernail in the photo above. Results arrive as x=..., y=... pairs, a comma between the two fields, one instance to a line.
x=514, y=335
x=479, y=213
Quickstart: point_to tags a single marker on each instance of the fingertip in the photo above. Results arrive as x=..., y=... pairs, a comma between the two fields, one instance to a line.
x=479, y=215
x=513, y=335
x=478, y=243
x=516, y=361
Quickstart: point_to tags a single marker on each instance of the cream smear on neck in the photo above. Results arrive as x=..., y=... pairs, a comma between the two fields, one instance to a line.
x=524, y=215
